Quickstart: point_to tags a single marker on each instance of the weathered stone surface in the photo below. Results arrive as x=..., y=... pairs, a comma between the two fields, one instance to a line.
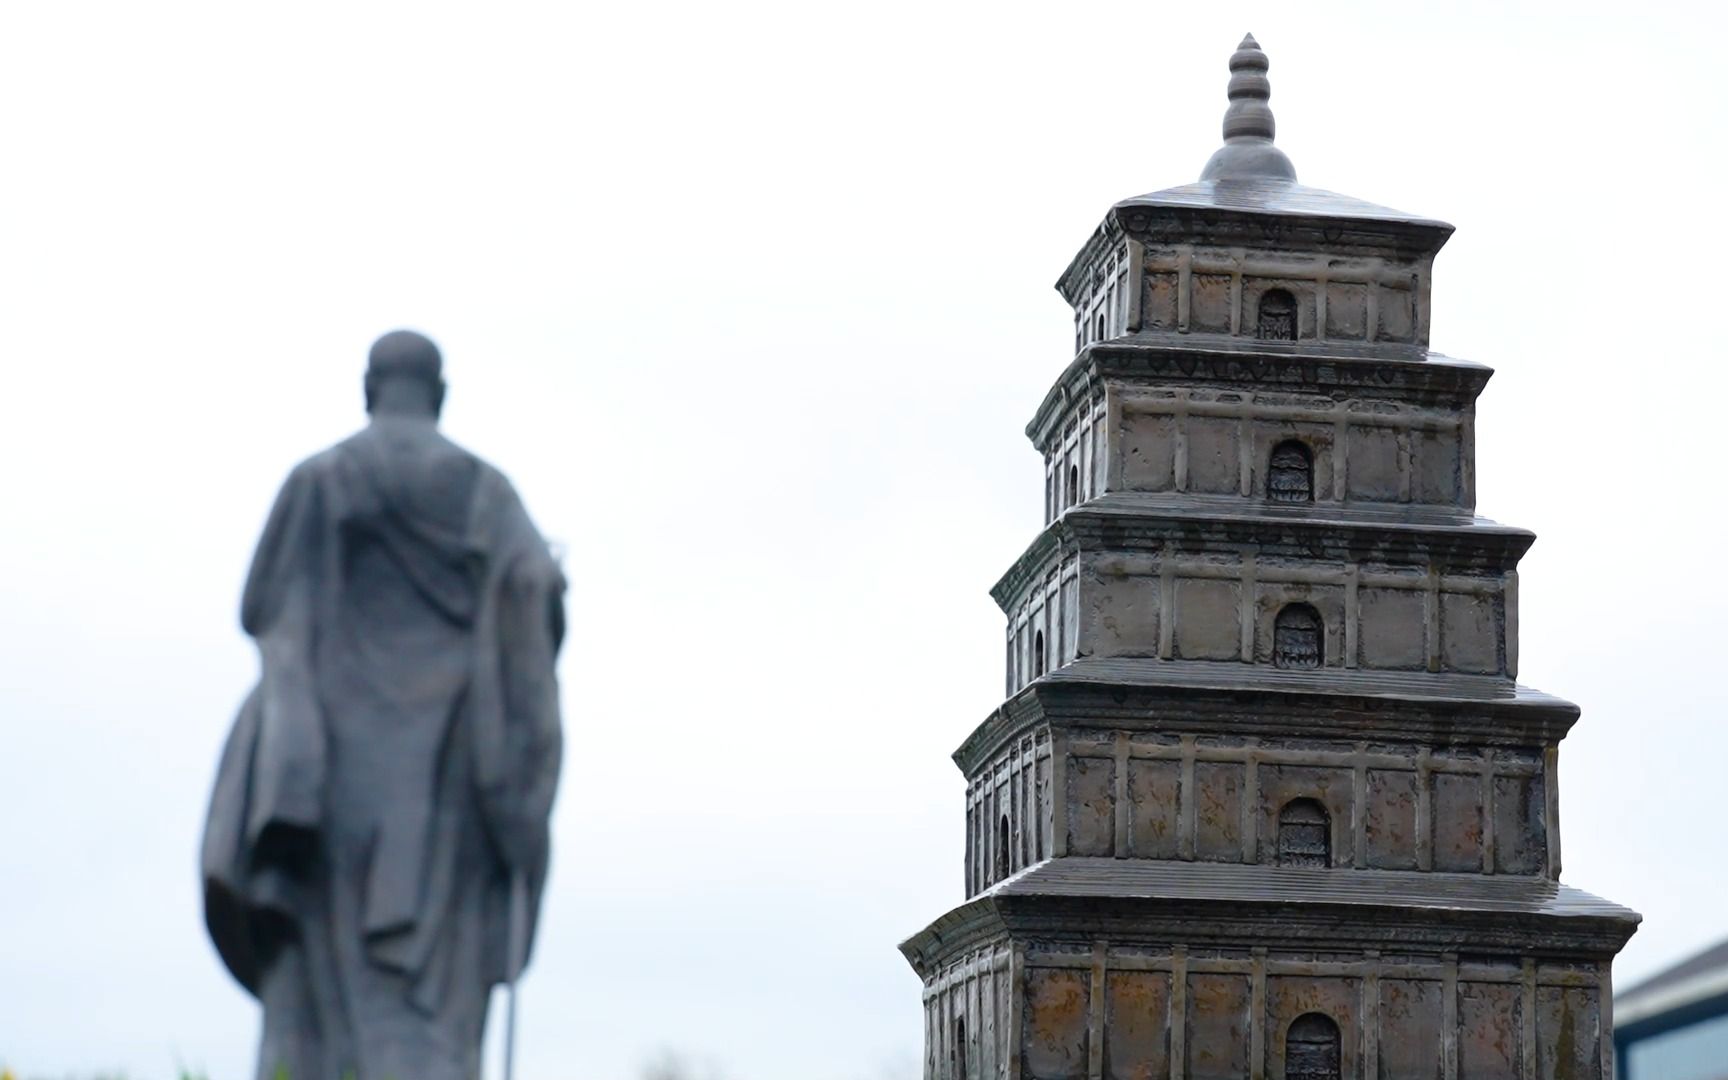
x=1265, y=800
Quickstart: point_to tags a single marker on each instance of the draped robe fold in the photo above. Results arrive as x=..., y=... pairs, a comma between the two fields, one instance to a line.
x=395, y=766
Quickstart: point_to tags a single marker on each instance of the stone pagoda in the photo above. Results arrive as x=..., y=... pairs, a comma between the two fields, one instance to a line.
x=1265, y=800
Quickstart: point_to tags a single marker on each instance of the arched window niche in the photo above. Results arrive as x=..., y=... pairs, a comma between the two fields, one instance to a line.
x=1073, y=484
x=1298, y=638
x=1311, y=1049
x=1304, y=834
x=1004, y=850
x=1290, y=473
x=959, y=1056
x=1038, y=654
x=1277, y=321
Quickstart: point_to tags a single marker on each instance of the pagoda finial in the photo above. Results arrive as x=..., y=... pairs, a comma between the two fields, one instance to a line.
x=1248, y=153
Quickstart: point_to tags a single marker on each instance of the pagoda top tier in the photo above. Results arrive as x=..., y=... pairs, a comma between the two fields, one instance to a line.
x=1250, y=173
x=1247, y=229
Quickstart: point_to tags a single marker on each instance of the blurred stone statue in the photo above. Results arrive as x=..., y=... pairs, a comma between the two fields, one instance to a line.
x=377, y=837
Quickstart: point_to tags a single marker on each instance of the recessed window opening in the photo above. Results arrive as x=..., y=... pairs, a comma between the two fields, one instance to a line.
x=1100, y=326
x=1277, y=316
x=1290, y=474
x=1004, y=850
x=959, y=1049
x=1298, y=640
x=1304, y=834
x=1311, y=1049
x=1038, y=654
x=1073, y=484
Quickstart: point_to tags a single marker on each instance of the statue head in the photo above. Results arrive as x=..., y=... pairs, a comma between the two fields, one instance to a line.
x=405, y=375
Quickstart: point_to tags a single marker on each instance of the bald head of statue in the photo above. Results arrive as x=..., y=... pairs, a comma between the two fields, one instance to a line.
x=405, y=376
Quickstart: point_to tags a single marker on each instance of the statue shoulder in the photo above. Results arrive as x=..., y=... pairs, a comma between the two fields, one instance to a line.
x=454, y=449
x=331, y=460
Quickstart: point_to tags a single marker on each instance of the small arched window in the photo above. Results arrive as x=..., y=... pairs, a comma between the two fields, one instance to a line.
x=1311, y=1049
x=1004, y=850
x=1304, y=834
x=1298, y=638
x=1290, y=473
x=1100, y=326
x=1277, y=316
x=1038, y=654
x=1073, y=484
x=959, y=1056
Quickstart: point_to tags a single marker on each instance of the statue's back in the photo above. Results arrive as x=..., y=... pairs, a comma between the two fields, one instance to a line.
x=405, y=736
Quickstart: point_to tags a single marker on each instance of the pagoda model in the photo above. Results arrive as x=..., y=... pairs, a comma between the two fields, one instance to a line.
x=1265, y=801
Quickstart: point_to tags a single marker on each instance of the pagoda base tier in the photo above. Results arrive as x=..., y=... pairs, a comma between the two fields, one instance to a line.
x=1082, y=968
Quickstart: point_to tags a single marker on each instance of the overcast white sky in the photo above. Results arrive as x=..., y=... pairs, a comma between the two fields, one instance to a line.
x=752, y=300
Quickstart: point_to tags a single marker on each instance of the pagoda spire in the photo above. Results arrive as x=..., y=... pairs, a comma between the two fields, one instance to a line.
x=1248, y=153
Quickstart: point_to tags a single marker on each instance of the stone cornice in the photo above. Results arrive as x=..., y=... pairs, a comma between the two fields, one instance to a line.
x=1550, y=921
x=1132, y=523
x=1380, y=372
x=1222, y=698
x=1106, y=236
x=1154, y=222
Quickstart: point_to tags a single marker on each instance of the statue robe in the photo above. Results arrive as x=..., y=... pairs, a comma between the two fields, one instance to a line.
x=394, y=769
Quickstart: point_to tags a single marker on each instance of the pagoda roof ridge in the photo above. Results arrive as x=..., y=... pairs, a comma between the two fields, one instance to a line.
x=1107, y=876
x=1233, y=675
x=1349, y=514
x=1200, y=343
x=1229, y=697
x=1271, y=195
x=1374, y=371
x=1448, y=906
x=1141, y=521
